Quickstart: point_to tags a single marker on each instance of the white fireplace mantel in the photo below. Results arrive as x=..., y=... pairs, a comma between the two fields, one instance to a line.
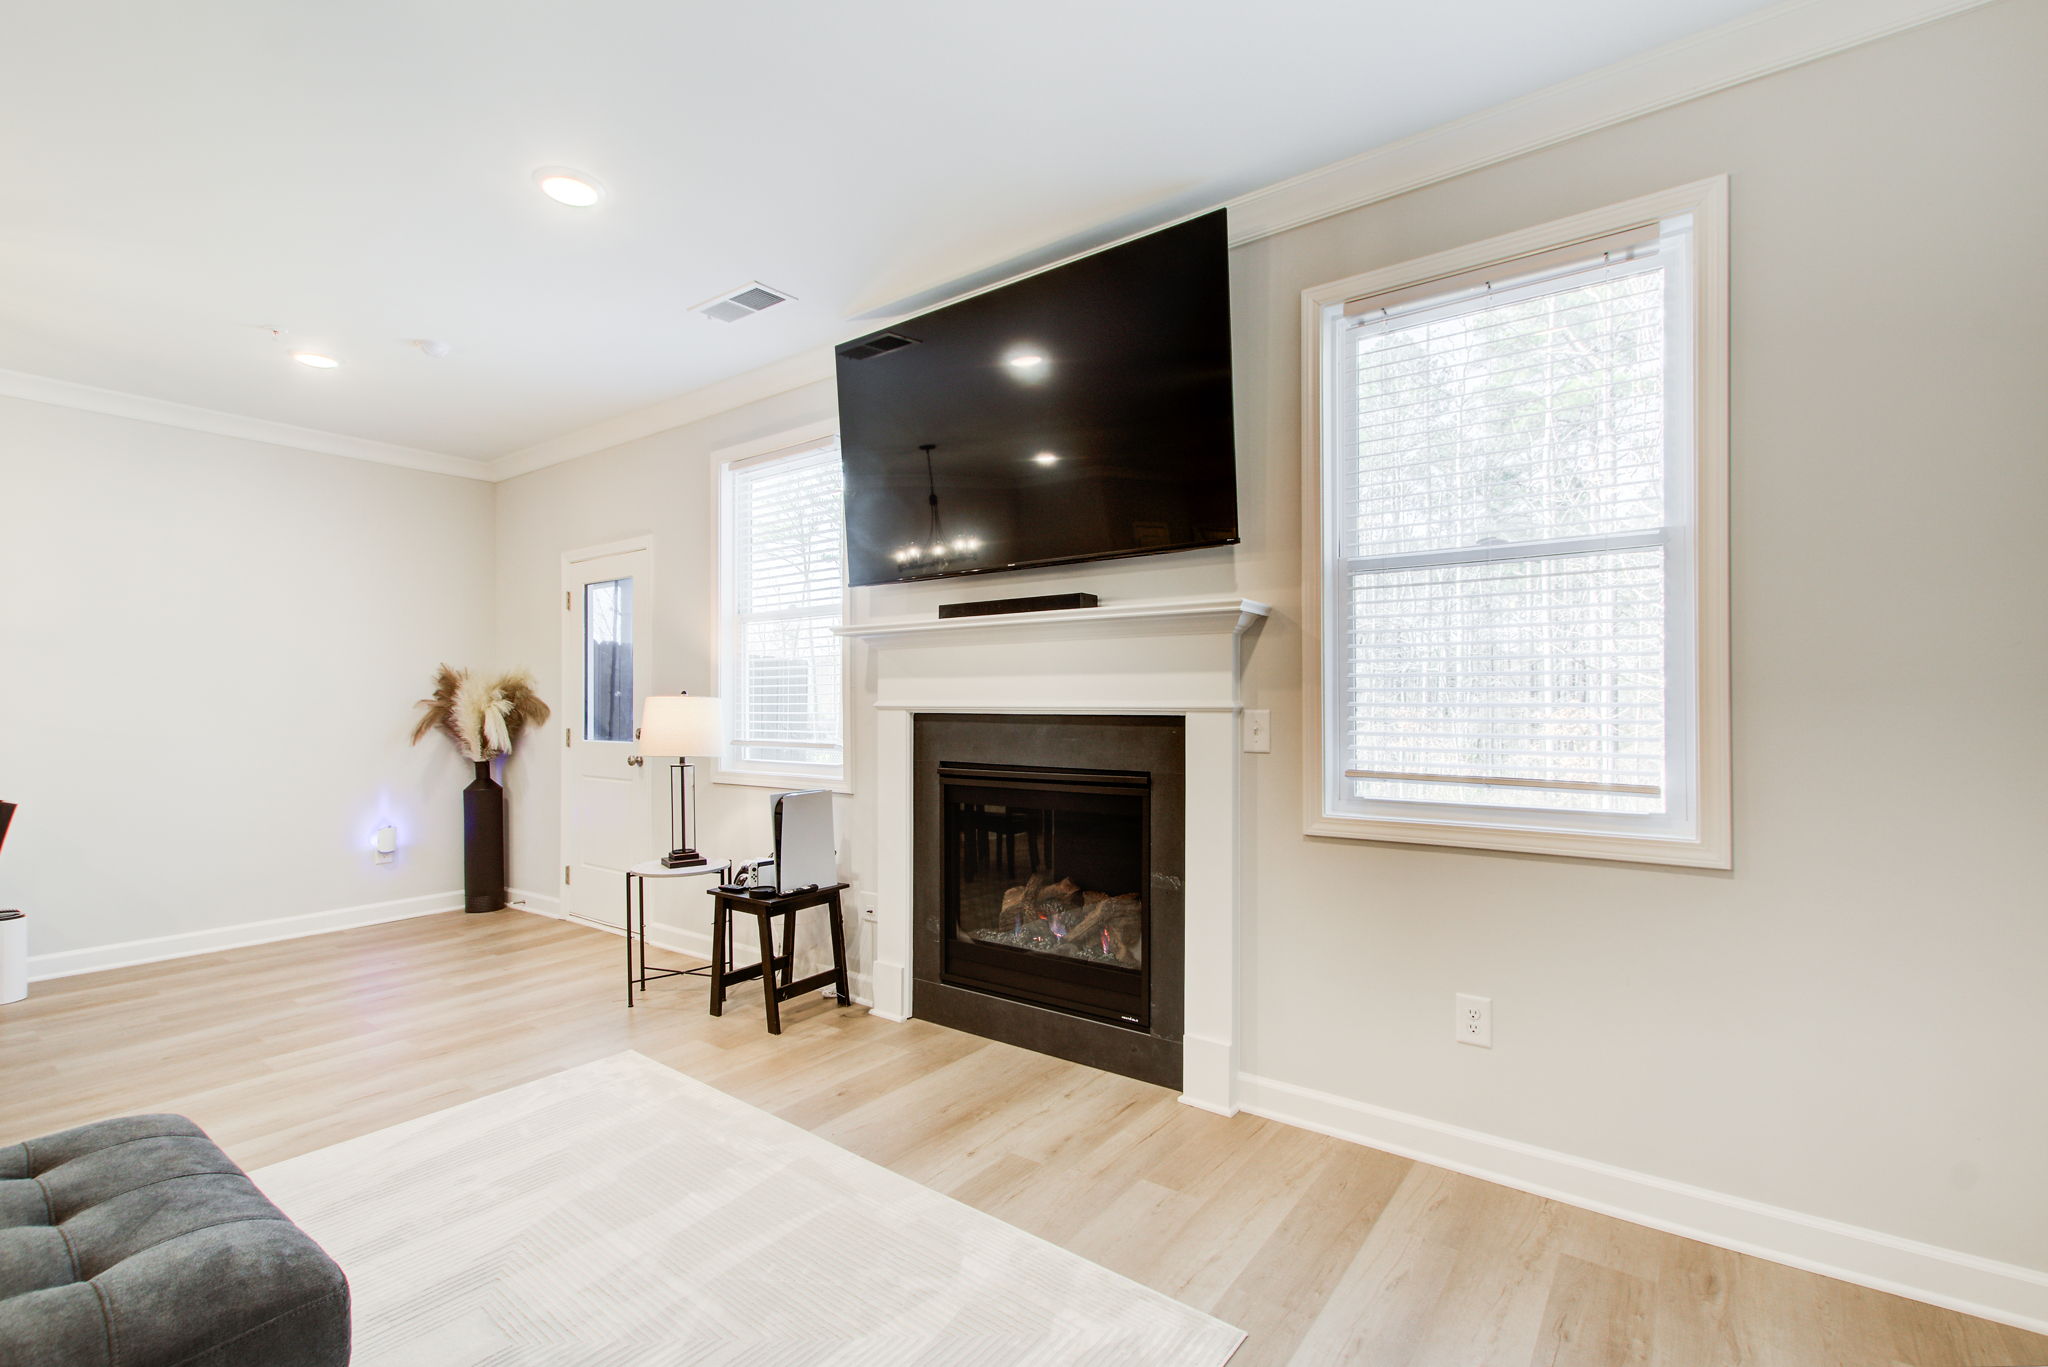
x=1236, y=613
x=1147, y=657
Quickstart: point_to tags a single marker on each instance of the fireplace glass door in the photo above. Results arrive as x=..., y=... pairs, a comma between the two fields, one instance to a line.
x=1045, y=887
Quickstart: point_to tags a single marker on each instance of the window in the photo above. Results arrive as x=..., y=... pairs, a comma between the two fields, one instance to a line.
x=784, y=581
x=608, y=660
x=1512, y=584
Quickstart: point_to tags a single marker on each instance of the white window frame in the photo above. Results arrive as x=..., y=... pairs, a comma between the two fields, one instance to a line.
x=1704, y=838
x=726, y=655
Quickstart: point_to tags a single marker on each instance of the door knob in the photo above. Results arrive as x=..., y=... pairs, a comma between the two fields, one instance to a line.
x=636, y=760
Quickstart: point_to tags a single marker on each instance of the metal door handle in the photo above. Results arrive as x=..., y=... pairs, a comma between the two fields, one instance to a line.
x=636, y=760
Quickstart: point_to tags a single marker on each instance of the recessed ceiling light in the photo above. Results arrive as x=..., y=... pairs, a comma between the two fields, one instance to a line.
x=1047, y=458
x=315, y=360
x=572, y=188
x=1024, y=360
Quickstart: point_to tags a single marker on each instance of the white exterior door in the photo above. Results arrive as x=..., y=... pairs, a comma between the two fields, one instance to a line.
x=608, y=613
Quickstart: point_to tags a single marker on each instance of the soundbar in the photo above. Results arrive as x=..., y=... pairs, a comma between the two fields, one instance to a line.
x=1045, y=602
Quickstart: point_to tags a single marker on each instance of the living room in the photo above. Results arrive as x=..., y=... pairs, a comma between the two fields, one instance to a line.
x=339, y=348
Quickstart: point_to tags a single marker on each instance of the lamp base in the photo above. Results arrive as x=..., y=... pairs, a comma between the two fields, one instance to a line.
x=683, y=859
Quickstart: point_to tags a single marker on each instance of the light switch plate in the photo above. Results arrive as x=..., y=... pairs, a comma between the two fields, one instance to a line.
x=1258, y=731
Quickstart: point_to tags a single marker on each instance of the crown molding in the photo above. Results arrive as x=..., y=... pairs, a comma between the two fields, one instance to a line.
x=1759, y=44
x=777, y=377
x=1756, y=45
x=15, y=384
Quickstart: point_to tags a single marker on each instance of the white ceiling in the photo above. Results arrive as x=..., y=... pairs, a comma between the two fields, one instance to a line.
x=175, y=179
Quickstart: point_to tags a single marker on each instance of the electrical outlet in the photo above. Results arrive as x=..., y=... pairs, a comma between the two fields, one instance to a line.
x=1473, y=1023
x=863, y=905
x=1258, y=731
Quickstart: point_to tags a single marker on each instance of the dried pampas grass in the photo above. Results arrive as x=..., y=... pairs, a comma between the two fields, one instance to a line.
x=482, y=716
x=442, y=712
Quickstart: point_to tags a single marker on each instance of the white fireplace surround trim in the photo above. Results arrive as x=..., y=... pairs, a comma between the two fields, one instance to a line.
x=1153, y=657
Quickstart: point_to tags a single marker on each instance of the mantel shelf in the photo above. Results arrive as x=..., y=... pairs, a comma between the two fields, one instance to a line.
x=1234, y=615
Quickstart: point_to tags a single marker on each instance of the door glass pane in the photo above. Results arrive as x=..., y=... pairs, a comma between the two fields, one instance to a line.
x=608, y=660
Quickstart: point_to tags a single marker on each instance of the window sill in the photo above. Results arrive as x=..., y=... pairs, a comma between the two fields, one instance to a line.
x=1633, y=849
x=747, y=778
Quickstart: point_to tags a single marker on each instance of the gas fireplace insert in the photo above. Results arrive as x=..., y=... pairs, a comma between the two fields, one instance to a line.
x=1048, y=893
x=1044, y=897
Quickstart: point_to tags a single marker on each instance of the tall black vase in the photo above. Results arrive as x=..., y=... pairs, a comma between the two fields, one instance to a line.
x=483, y=842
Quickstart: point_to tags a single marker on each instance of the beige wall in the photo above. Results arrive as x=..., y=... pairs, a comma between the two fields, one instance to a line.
x=658, y=486
x=1848, y=1024
x=1839, y=1024
x=209, y=648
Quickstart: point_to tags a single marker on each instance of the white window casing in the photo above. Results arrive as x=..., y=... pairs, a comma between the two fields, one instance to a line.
x=1515, y=541
x=782, y=591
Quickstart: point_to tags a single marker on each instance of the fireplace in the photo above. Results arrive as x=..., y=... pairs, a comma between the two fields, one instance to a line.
x=1048, y=887
x=1147, y=686
x=1043, y=893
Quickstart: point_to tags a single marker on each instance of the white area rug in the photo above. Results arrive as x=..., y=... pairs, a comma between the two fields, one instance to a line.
x=621, y=1213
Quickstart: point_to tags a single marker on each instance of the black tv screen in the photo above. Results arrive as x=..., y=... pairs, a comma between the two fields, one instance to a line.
x=1079, y=414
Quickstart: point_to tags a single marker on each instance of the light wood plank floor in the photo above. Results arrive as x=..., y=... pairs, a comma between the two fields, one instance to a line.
x=1325, y=1252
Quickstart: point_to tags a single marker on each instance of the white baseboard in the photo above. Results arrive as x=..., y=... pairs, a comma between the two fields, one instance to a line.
x=2005, y=1292
x=693, y=943
x=1208, y=1070
x=547, y=904
x=156, y=948
x=892, y=991
x=696, y=944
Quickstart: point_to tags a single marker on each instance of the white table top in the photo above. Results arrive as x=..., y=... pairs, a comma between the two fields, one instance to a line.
x=653, y=868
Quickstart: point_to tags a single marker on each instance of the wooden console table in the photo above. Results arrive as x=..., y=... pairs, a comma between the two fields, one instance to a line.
x=774, y=969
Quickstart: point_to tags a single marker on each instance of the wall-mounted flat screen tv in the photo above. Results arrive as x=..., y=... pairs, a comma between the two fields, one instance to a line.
x=1083, y=413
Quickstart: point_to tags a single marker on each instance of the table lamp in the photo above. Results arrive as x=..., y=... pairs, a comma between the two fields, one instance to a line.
x=682, y=725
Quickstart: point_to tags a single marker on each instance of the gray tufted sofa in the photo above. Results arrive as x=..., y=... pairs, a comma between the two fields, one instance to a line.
x=138, y=1243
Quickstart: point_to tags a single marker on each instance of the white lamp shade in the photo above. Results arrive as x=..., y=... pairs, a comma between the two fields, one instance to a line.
x=680, y=724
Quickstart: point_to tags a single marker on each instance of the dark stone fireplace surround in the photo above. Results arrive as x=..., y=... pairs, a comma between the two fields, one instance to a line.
x=1137, y=744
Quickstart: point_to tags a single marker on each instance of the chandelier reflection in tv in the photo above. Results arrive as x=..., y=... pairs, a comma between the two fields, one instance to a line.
x=1084, y=413
x=937, y=551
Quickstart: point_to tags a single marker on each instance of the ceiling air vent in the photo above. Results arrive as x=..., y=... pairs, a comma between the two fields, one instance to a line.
x=744, y=302
x=881, y=344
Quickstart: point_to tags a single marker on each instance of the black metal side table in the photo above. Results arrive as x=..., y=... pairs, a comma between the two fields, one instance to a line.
x=774, y=969
x=638, y=974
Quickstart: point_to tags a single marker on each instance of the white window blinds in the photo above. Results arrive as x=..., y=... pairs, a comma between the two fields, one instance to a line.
x=785, y=533
x=1507, y=520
